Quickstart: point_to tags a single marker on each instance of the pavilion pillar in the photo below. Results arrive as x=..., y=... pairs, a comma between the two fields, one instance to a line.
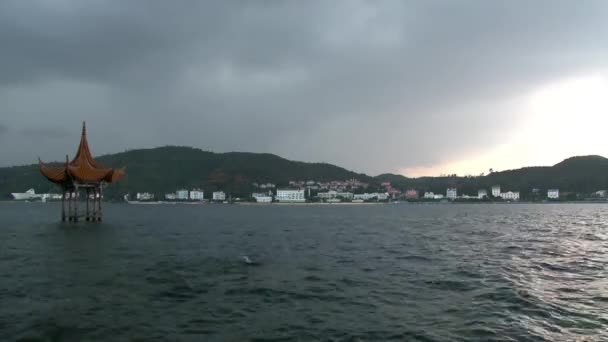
x=88, y=195
x=76, y=191
x=100, y=200
x=94, y=213
x=70, y=193
x=63, y=205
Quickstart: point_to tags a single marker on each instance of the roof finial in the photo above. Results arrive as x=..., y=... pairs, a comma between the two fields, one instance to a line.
x=84, y=128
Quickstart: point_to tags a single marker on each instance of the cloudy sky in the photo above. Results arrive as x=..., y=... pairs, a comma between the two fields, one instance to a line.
x=411, y=87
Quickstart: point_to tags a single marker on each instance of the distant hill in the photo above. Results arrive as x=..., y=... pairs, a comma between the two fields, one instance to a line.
x=584, y=174
x=165, y=169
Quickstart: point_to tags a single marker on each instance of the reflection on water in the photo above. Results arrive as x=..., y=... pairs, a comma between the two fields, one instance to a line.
x=368, y=273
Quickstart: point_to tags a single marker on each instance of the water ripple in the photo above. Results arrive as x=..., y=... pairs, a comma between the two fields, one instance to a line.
x=345, y=273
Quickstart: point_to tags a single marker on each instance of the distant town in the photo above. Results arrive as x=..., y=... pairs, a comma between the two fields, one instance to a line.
x=347, y=191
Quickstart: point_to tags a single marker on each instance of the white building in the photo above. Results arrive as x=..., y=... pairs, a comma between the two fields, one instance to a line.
x=182, y=194
x=170, y=197
x=365, y=196
x=553, y=193
x=602, y=193
x=262, y=198
x=346, y=195
x=293, y=196
x=438, y=196
x=144, y=196
x=328, y=195
x=482, y=193
x=374, y=195
x=510, y=196
x=496, y=191
x=451, y=193
x=429, y=195
x=332, y=194
x=196, y=195
x=382, y=196
x=219, y=196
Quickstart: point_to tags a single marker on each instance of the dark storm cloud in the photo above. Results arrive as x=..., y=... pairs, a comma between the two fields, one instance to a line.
x=311, y=80
x=44, y=132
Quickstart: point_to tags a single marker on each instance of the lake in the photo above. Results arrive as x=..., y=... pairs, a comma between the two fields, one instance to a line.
x=487, y=272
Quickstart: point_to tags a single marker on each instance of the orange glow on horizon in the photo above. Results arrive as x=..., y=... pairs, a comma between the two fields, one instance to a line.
x=564, y=119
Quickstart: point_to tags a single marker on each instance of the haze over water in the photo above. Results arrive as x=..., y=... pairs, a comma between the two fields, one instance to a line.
x=353, y=273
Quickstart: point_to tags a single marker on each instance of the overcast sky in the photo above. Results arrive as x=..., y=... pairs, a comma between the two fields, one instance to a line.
x=412, y=87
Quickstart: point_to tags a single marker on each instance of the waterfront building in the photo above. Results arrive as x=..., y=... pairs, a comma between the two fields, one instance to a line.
x=363, y=197
x=510, y=196
x=438, y=196
x=553, y=194
x=293, y=196
x=219, y=196
x=601, y=193
x=411, y=194
x=451, y=193
x=370, y=196
x=331, y=194
x=382, y=196
x=58, y=196
x=81, y=174
x=429, y=195
x=345, y=195
x=482, y=194
x=144, y=196
x=327, y=195
x=55, y=196
x=195, y=195
x=393, y=193
x=171, y=197
x=496, y=191
x=262, y=198
x=182, y=194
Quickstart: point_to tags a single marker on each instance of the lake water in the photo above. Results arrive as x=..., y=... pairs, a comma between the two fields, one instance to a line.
x=319, y=273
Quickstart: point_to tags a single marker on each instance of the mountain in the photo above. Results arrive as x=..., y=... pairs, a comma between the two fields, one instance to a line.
x=583, y=174
x=166, y=169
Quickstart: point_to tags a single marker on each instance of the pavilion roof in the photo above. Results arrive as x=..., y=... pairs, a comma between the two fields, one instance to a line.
x=83, y=168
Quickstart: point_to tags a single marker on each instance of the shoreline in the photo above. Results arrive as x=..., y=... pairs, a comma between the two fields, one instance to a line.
x=321, y=203
x=310, y=203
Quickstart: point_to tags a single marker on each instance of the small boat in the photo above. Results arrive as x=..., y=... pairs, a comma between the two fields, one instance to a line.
x=28, y=195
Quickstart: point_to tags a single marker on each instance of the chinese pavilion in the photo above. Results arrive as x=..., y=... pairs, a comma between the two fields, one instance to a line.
x=81, y=174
